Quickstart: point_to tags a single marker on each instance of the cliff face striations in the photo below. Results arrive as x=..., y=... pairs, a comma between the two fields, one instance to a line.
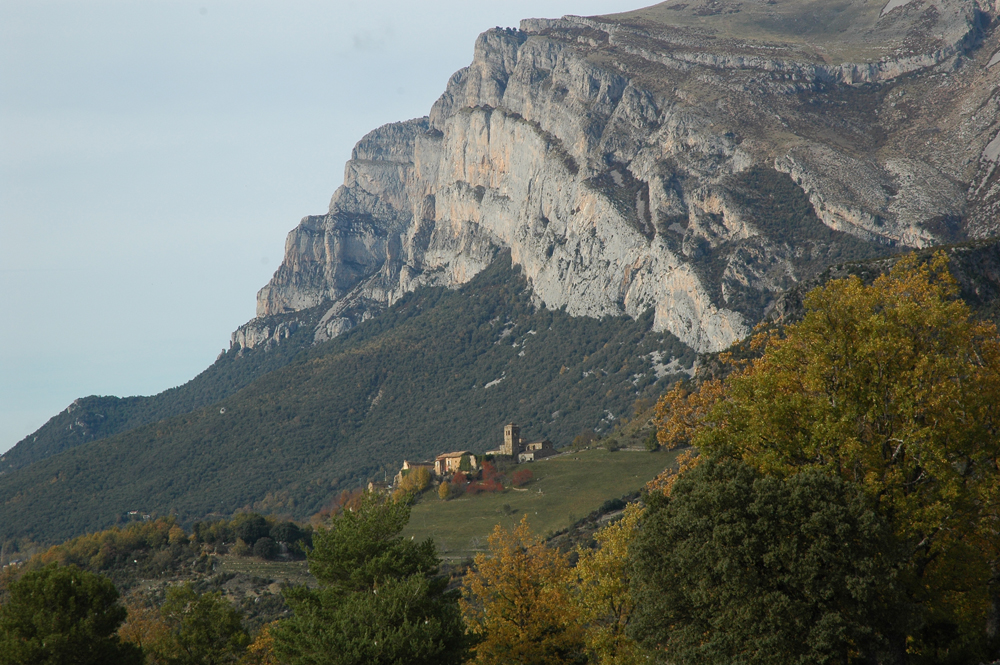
x=693, y=157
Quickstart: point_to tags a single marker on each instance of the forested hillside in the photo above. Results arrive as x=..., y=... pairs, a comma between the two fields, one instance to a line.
x=96, y=417
x=441, y=370
x=802, y=522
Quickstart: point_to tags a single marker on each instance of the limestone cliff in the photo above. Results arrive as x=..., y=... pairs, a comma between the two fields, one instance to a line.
x=649, y=160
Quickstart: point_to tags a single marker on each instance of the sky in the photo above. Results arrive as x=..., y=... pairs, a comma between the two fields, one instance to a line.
x=154, y=155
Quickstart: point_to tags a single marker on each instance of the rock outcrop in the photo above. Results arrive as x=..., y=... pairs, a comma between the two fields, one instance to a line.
x=643, y=160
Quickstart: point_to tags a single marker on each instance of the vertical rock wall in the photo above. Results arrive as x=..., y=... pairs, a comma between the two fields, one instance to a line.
x=607, y=158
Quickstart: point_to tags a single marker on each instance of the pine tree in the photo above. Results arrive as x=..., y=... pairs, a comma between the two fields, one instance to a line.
x=381, y=599
x=62, y=616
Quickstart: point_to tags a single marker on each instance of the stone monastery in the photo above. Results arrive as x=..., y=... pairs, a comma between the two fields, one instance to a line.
x=514, y=448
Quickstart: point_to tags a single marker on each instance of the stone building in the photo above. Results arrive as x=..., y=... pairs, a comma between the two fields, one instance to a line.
x=536, y=450
x=451, y=462
x=512, y=440
x=520, y=450
x=407, y=466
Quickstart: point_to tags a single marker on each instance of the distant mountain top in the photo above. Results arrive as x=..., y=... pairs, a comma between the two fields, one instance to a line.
x=632, y=162
x=816, y=31
x=96, y=417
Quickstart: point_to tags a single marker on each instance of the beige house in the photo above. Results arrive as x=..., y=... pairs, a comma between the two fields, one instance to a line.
x=536, y=450
x=407, y=465
x=451, y=462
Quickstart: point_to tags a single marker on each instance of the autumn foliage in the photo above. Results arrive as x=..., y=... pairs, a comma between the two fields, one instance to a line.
x=893, y=387
x=602, y=595
x=517, y=602
x=521, y=477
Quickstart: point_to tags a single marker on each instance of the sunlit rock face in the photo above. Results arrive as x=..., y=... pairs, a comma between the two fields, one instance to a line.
x=651, y=160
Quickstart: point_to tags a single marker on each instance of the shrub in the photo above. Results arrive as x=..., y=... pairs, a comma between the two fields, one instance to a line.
x=241, y=548
x=444, y=492
x=522, y=477
x=651, y=442
x=584, y=439
x=492, y=485
x=265, y=548
x=251, y=527
x=611, y=505
x=287, y=532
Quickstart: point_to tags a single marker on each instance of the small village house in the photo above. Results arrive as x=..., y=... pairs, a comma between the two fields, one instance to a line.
x=411, y=466
x=536, y=450
x=451, y=462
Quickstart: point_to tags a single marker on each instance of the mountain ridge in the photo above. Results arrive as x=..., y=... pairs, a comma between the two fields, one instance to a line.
x=440, y=370
x=598, y=151
x=671, y=171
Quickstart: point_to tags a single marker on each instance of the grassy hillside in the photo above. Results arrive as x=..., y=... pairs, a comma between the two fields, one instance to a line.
x=566, y=488
x=441, y=370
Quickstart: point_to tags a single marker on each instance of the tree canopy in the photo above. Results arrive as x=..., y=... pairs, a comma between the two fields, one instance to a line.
x=895, y=387
x=381, y=599
x=603, y=597
x=735, y=566
x=204, y=629
x=517, y=602
x=63, y=615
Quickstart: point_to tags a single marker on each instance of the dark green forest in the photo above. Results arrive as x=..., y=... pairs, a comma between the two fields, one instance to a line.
x=440, y=370
x=98, y=416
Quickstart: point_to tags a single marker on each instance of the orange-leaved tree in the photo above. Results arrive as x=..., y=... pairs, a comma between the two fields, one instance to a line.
x=680, y=415
x=145, y=628
x=517, y=602
x=261, y=650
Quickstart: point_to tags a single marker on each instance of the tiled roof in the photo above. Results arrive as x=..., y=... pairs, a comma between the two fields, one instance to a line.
x=457, y=453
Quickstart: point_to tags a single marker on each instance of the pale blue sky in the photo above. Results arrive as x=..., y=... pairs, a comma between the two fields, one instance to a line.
x=154, y=154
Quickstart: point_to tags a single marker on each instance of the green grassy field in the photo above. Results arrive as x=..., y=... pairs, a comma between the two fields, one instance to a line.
x=566, y=488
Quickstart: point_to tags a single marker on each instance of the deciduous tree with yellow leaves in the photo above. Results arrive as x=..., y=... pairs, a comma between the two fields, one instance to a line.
x=895, y=387
x=517, y=602
x=602, y=597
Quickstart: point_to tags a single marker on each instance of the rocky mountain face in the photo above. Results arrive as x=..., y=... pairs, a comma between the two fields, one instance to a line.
x=696, y=157
x=682, y=166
